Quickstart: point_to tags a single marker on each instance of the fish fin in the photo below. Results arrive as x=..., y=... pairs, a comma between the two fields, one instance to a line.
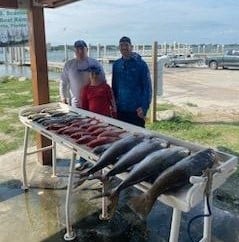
x=83, y=177
x=141, y=205
x=106, y=193
x=99, y=177
x=79, y=182
x=84, y=173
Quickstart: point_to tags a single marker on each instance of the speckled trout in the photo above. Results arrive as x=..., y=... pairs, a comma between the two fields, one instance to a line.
x=136, y=154
x=117, y=149
x=151, y=165
x=173, y=178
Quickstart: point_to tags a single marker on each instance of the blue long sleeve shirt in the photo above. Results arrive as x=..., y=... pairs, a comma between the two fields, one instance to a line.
x=131, y=84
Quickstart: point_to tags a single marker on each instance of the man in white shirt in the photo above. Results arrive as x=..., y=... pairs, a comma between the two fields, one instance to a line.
x=75, y=74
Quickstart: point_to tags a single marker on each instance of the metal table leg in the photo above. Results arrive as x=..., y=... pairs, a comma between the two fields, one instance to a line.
x=24, y=173
x=104, y=214
x=207, y=226
x=70, y=234
x=53, y=159
x=175, y=225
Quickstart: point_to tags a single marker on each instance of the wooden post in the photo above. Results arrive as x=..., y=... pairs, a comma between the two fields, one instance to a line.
x=23, y=54
x=105, y=51
x=66, y=53
x=154, y=81
x=89, y=50
x=98, y=51
x=6, y=52
x=39, y=72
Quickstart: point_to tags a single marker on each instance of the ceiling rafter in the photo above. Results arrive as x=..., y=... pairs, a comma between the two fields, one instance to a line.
x=53, y=3
x=40, y=3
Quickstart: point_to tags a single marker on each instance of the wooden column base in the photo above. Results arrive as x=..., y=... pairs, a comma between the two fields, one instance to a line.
x=44, y=157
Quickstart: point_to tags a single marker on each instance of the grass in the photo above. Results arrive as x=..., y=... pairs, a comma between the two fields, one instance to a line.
x=220, y=135
x=14, y=95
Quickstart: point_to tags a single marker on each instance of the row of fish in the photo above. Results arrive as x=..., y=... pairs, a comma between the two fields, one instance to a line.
x=80, y=129
x=143, y=157
x=146, y=157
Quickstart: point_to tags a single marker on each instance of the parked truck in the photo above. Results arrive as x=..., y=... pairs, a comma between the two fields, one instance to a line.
x=230, y=59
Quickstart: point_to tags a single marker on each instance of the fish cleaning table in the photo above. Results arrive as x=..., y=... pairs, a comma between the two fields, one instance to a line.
x=182, y=201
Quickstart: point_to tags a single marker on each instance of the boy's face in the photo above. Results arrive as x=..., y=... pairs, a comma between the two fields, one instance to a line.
x=94, y=76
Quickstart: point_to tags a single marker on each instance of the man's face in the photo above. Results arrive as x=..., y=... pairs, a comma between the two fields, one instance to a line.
x=81, y=52
x=125, y=49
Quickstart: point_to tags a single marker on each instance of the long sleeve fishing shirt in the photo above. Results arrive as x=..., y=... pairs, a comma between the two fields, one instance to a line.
x=75, y=75
x=131, y=84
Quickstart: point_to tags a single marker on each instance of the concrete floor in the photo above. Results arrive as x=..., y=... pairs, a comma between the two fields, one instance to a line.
x=38, y=215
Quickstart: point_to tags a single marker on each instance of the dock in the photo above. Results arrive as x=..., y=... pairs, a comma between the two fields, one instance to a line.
x=52, y=66
x=19, y=55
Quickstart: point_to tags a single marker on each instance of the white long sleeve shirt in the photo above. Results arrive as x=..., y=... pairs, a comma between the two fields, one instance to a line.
x=74, y=77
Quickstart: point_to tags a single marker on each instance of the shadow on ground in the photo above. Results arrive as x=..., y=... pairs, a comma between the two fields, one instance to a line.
x=126, y=226
x=9, y=189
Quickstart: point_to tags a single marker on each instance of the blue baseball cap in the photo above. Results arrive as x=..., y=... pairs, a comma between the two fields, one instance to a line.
x=94, y=69
x=125, y=39
x=80, y=44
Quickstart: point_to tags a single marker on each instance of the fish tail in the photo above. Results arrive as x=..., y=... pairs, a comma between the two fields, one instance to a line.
x=113, y=201
x=141, y=205
x=113, y=198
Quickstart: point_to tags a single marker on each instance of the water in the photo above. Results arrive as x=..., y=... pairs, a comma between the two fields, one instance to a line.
x=52, y=56
x=60, y=56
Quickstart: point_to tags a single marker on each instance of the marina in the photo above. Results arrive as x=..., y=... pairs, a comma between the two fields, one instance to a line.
x=187, y=196
x=178, y=54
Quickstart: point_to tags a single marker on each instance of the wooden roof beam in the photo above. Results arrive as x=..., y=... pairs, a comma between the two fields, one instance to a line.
x=54, y=3
x=15, y=4
x=8, y=4
x=37, y=3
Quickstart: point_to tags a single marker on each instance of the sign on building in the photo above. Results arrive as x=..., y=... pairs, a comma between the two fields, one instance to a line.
x=13, y=27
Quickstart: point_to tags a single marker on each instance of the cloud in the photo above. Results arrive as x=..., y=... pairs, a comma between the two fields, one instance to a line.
x=144, y=21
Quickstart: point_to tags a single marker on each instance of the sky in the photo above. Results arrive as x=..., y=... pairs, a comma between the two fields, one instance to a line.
x=144, y=21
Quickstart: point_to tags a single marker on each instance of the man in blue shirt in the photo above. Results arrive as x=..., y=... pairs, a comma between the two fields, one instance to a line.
x=131, y=84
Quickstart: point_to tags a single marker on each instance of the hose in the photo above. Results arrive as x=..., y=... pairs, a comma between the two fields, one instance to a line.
x=209, y=173
x=197, y=217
